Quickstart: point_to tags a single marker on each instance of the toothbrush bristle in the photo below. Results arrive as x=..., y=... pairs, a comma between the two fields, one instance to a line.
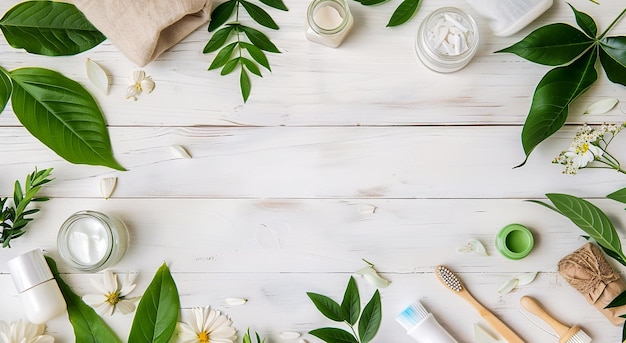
x=449, y=278
x=580, y=337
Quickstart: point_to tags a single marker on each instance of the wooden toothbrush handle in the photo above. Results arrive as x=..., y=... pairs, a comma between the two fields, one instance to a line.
x=509, y=335
x=534, y=307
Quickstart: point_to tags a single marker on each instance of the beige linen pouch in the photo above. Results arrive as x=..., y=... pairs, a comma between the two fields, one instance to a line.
x=587, y=270
x=143, y=29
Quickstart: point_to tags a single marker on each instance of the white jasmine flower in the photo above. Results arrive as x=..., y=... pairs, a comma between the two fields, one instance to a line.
x=206, y=326
x=113, y=294
x=23, y=332
x=139, y=83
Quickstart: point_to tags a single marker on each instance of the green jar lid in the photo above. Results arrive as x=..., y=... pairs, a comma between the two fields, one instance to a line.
x=514, y=241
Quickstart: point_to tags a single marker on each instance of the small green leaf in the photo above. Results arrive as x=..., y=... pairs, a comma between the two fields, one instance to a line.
x=351, y=303
x=74, y=126
x=555, y=92
x=221, y=13
x=218, y=39
x=259, y=14
x=370, y=319
x=404, y=12
x=87, y=324
x=257, y=54
x=230, y=66
x=5, y=89
x=49, y=28
x=585, y=22
x=259, y=39
x=252, y=67
x=17, y=193
x=619, y=300
x=371, y=2
x=157, y=312
x=277, y=4
x=613, y=58
x=223, y=56
x=619, y=195
x=327, y=306
x=333, y=335
x=552, y=45
x=244, y=83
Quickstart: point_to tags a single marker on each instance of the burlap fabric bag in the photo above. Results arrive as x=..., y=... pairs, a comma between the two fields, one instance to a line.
x=587, y=270
x=143, y=29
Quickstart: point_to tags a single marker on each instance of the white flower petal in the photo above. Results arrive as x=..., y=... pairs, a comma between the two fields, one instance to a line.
x=508, y=286
x=371, y=276
x=483, y=336
x=526, y=278
x=98, y=76
x=601, y=106
x=289, y=335
x=94, y=299
x=235, y=301
x=180, y=151
x=147, y=85
x=210, y=321
x=473, y=246
x=43, y=339
x=132, y=92
x=110, y=281
x=136, y=77
x=107, y=186
x=125, y=306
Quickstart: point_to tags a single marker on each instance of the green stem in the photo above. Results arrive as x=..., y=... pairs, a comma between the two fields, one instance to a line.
x=353, y=332
x=612, y=24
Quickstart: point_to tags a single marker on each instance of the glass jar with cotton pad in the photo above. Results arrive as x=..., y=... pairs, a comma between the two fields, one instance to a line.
x=447, y=40
x=90, y=241
x=328, y=22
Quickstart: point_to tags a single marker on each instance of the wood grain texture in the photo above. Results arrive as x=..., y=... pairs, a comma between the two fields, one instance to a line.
x=339, y=155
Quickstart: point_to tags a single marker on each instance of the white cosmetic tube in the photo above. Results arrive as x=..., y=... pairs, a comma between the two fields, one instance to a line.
x=422, y=326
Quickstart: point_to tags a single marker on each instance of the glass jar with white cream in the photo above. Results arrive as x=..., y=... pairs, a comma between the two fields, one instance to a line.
x=328, y=22
x=90, y=241
x=447, y=40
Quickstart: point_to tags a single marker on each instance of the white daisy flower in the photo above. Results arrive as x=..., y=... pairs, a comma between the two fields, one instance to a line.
x=138, y=83
x=206, y=326
x=113, y=295
x=23, y=332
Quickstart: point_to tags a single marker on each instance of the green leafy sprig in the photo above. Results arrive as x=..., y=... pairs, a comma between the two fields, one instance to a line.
x=229, y=39
x=403, y=13
x=349, y=312
x=574, y=52
x=247, y=338
x=13, y=218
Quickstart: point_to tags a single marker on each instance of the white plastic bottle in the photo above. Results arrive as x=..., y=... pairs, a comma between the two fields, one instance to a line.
x=38, y=290
x=507, y=17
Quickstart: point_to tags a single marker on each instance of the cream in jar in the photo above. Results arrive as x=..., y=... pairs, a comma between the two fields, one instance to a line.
x=328, y=22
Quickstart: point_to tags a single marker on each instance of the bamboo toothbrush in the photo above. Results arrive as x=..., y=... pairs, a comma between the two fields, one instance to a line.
x=450, y=280
x=566, y=334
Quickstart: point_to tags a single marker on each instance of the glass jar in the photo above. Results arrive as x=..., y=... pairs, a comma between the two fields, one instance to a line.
x=328, y=22
x=447, y=40
x=90, y=241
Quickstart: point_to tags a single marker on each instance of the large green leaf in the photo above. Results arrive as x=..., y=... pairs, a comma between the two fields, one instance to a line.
x=404, y=12
x=613, y=58
x=619, y=195
x=5, y=89
x=327, y=306
x=257, y=54
x=259, y=14
x=370, y=319
x=218, y=39
x=88, y=325
x=245, y=84
x=555, y=92
x=553, y=45
x=223, y=56
x=333, y=335
x=49, y=28
x=585, y=22
x=157, y=312
x=221, y=13
x=277, y=4
x=63, y=115
x=258, y=38
x=590, y=219
x=351, y=303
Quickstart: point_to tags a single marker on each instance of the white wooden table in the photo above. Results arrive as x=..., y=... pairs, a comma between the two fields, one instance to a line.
x=339, y=155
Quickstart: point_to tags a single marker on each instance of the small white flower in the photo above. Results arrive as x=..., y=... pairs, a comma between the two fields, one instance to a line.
x=113, y=294
x=371, y=275
x=206, y=326
x=23, y=332
x=583, y=149
x=139, y=83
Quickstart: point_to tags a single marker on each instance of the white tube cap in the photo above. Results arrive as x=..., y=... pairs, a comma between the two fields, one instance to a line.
x=29, y=270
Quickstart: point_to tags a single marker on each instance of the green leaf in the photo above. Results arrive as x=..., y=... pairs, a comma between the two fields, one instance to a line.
x=585, y=22
x=244, y=83
x=257, y=54
x=555, y=92
x=259, y=39
x=619, y=300
x=259, y=14
x=333, y=335
x=404, y=12
x=49, y=28
x=613, y=58
x=218, y=39
x=17, y=193
x=619, y=195
x=553, y=45
x=327, y=306
x=63, y=115
x=157, y=312
x=87, y=324
x=5, y=90
x=371, y=2
x=590, y=219
x=230, y=66
x=223, y=56
x=351, y=303
x=277, y=4
x=370, y=319
x=252, y=67
x=221, y=13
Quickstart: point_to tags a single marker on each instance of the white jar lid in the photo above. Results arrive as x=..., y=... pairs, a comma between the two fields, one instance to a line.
x=29, y=270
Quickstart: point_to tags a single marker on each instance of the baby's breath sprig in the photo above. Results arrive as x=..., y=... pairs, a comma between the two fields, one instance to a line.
x=231, y=54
